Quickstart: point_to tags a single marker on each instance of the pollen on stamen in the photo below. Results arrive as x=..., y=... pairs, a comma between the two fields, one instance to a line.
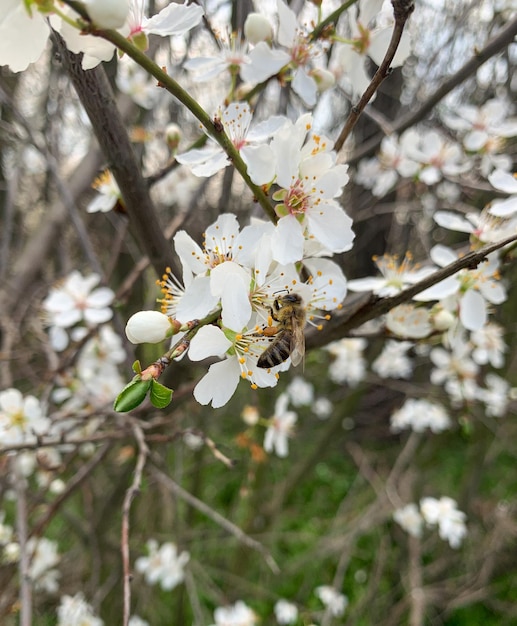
x=242, y=360
x=244, y=375
x=319, y=327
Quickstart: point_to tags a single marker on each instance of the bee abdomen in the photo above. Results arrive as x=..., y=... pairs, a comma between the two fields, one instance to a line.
x=277, y=352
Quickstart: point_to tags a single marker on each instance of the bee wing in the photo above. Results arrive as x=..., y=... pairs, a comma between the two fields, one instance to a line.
x=297, y=344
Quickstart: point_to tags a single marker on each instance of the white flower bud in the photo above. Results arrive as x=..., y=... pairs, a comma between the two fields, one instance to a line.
x=257, y=28
x=108, y=13
x=173, y=136
x=147, y=327
x=323, y=78
x=12, y=552
x=443, y=320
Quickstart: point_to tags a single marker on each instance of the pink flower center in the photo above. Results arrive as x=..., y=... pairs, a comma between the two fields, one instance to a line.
x=296, y=199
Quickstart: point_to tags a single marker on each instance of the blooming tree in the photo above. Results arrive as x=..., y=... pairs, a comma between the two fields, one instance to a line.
x=193, y=195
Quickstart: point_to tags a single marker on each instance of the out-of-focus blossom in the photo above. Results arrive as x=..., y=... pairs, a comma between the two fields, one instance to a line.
x=281, y=427
x=238, y=614
x=23, y=35
x=334, y=601
x=419, y=415
x=43, y=559
x=409, y=321
x=164, y=565
x=349, y=364
x=408, y=517
x=393, y=361
x=286, y=612
x=368, y=41
x=79, y=299
x=108, y=194
x=74, y=610
x=300, y=392
x=21, y=418
x=396, y=276
x=445, y=514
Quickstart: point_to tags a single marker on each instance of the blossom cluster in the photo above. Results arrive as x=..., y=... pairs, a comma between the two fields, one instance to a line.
x=442, y=513
x=235, y=272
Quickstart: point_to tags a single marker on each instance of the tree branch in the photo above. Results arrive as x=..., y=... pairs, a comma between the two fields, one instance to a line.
x=503, y=39
x=402, y=9
x=371, y=306
x=96, y=95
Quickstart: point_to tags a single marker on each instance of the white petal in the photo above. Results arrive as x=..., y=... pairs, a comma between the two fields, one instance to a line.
x=447, y=287
x=287, y=24
x=219, y=383
x=209, y=341
x=332, y=227
x=305, y=86
x=22, y=38
x=264, y=63
x=287, y=241
x=473, y=313
x=190, y=254
x=174, y=19
x=261, y=163
x=442, y=255
x=503, y=181
x=101, y=297
x=503, y=208
x=197, y=300
x=97, y=316
x=267, y=128
x=493, y=291
x=453, y=221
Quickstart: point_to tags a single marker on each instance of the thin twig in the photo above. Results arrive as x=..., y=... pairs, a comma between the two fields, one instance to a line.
x=143, y=451
x=402, y=9
x=216, y=517
x=503, y=39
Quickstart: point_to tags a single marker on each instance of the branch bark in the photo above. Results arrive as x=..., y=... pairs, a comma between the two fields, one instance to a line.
x=96, y=95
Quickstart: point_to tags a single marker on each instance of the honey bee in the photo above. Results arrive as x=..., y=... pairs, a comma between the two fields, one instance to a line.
x=289, y=313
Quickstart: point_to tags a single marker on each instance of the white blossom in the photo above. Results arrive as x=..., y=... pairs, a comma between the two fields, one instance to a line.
x=335, y=602
x=75, y=611
x=408, y=517
x=419, y=414
x=445, y=514
x=281, y=428
x=164, y=565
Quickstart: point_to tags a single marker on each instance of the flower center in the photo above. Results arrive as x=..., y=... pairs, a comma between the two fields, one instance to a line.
x=296, y=199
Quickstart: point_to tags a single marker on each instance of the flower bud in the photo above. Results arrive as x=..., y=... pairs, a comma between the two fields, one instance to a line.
x=173, y=136
x=147, y=327
x=443, y=320
x=323, y=78
x=108, y=13
x=257, y=28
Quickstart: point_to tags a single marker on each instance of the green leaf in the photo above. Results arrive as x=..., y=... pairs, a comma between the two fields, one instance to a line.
x=160, y=395
x=137, y=368
x=132, y=395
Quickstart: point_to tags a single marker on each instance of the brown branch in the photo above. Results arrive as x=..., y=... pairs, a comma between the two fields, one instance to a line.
x=402, y=9
x=371, y=306
x=96, y=95
x=502, y=40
